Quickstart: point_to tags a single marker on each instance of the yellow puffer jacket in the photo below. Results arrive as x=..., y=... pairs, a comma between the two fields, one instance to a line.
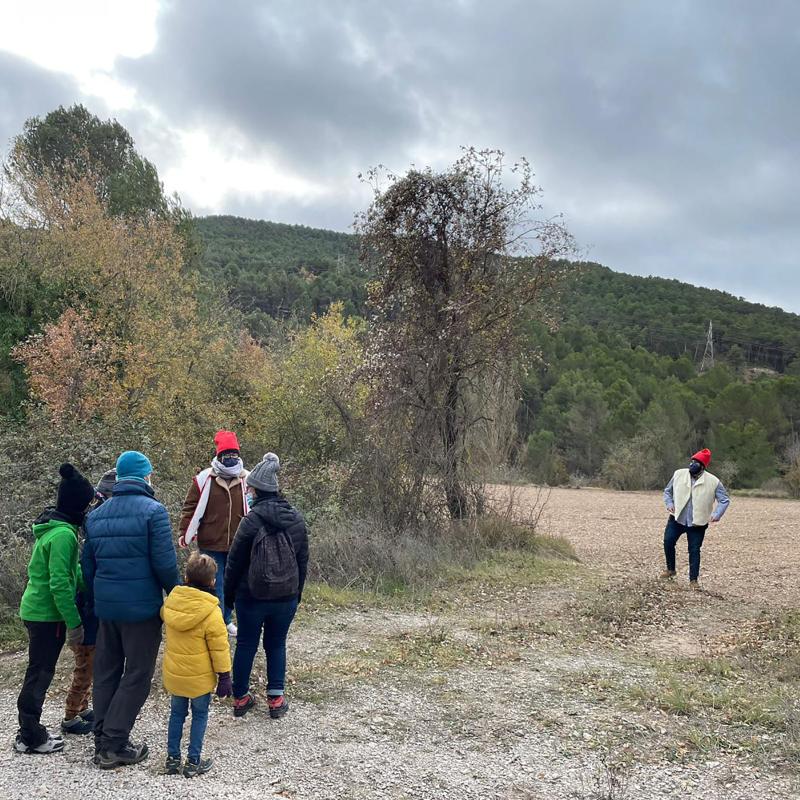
x=197, y=642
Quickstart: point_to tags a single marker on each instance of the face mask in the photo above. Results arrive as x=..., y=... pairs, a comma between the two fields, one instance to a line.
x=229, y=461
x=695, y=468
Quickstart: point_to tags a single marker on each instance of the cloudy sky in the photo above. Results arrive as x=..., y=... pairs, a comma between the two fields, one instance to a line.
x=667, y=133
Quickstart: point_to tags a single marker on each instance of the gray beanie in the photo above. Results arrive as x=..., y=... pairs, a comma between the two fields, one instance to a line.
x=264, y=475
x=106, y=485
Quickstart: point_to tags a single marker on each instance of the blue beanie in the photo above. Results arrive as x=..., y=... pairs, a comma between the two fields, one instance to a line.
x=132, y=464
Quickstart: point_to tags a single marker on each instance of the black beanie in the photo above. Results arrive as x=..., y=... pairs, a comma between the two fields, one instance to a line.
x=74, y=493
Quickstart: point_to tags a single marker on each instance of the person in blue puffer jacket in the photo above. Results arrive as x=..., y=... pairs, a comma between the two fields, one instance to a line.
x=128, y=563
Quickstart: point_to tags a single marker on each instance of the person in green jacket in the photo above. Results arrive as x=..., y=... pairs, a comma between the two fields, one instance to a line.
x=48, y=606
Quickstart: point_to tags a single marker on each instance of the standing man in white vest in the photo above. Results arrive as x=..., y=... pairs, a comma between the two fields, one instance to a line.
x=694, y=498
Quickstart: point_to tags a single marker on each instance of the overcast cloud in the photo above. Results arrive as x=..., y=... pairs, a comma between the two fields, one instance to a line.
x=666, y=132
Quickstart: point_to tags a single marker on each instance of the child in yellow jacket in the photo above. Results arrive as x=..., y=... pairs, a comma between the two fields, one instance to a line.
x=197, y=658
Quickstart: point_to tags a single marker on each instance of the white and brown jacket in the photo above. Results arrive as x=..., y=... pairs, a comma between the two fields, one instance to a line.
x=224, y=509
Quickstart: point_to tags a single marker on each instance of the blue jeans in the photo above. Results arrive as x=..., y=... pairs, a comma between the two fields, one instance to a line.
x=694, y=537
x=197, y=731
x=221, y=560
x=274, y=618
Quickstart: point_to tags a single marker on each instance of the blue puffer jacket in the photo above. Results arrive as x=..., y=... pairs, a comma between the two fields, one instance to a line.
x=129, y=558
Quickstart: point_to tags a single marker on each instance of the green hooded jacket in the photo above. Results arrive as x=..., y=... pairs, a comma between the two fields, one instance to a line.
x=53, y=573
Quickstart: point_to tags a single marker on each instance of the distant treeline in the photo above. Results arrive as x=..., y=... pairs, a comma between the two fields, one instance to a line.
x=614, y=393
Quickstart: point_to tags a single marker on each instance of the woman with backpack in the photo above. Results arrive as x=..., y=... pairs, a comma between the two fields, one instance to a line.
x=264, y=580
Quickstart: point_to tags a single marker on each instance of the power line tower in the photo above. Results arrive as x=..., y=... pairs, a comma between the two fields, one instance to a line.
x=708, y=353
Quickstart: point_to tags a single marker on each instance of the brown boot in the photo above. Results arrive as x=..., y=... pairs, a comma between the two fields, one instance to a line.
x=668, y=573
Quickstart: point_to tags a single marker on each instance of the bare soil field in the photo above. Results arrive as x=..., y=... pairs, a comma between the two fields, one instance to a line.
x=751, y=555
x=527, y=678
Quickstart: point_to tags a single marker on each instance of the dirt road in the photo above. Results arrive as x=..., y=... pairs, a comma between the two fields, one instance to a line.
x=587, y=682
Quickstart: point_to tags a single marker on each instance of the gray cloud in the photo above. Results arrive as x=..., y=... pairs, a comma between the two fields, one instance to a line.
x=27, y=90
x=666, y=132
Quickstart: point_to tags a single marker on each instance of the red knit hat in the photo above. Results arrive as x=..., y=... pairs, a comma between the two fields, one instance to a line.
x=226, y=440
x=703, y=456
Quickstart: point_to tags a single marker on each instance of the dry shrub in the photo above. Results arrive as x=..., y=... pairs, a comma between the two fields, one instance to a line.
x=365, y=553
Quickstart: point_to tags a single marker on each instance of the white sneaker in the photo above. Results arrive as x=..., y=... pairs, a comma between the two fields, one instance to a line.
x=232, y=630
x=54, y=744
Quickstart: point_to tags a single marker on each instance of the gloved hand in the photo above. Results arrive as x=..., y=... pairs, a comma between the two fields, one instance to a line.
x=224, y=685
x=75, y=636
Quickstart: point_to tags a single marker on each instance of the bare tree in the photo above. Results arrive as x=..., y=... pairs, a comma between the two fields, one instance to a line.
x=460, y=261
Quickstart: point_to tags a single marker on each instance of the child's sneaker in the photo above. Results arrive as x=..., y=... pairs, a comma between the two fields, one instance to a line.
x=53, y=744
x=242, y=705
x=87, y=715
x=195, y=768
x=77, y=726
x=278, y=706
x=172, y=766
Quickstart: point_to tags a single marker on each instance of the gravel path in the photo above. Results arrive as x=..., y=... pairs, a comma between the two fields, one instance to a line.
x=500, y=722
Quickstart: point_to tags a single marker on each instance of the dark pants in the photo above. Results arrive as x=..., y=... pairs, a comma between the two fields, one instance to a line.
x=45, y=640
x=124, y=663
x=221, y=560
x=694, y=536
x=274, y=617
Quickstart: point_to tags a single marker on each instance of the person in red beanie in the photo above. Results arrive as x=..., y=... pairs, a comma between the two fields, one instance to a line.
x=214, y=507
x=694, y=498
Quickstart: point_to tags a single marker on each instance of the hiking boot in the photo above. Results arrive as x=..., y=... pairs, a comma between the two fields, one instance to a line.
x=232, y=630
x=77, y=726
x=242, y=705
x=195, y=768
x=124, y=757
x=694, y=585
x=53, y=744
x=668, y=573
x=278, y=706
x=172, y=766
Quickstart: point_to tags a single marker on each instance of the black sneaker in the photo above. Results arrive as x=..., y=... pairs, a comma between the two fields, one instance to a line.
x=124, y=757
x=87, y=715
x=278, y=706
x=53, y=744
x=77, y=726
x=243, y=705
x=195, y=768
x=172, y=765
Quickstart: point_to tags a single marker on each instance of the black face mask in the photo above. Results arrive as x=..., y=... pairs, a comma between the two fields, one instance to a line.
x=230, y=461
x=695, y=468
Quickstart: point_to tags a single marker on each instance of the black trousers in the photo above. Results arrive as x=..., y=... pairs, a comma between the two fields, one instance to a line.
x=124, y=663
x=45, y=641
x=694, y=537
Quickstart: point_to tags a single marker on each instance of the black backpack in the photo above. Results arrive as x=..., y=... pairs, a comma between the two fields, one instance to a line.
x=273, y=570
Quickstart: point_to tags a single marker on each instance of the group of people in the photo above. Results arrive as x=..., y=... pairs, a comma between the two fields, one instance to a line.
x=106, y=599
x=104, y=560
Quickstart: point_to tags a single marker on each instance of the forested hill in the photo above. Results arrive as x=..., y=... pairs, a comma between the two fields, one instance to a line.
x=292, y=270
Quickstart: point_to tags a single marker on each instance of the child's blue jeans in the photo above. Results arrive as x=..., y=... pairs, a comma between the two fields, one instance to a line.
x=177, y=716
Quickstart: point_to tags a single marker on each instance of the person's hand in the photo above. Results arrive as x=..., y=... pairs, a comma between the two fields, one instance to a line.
x=224, y=685
x=714, y=520
x=75, y=636
x=182, y=542
x=671, y=509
